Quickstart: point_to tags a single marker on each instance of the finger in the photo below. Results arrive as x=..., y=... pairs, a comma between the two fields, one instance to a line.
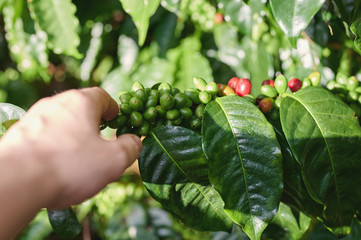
x=105, y=106
x=124, y=151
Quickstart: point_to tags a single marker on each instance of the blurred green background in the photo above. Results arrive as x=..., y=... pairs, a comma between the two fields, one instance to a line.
x=48, y=46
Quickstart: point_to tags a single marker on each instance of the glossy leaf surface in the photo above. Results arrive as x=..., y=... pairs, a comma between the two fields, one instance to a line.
x=245, y=164
x=64, y=223
x=57, y=19
x=325, y=138
x=295, y=193
x=174, y=170
x=295, y=226
x=140, y=11
x=293, y=16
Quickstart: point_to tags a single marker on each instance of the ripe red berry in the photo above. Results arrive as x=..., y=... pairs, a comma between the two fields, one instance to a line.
x=243, y=87
x=294, y=84
x=218, y=18
x=266, y=104
x=269, y=82
x=233, y=82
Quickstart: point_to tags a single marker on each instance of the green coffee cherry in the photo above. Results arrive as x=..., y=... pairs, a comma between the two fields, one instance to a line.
x=250, y=98
x=331, y=85
x=186, y=112
x=123, y=130
x=118, y=121
x=195, y=123
x=164, y=88
x=125, y=108
x=154, y=93
x=136, y=86
x=168, y=122
x=211, y=87
x=193, y=95
x=189, y=103
x=278, y=102
x=205, y=97
x=269, y=91
x=339, y=88
x=358, y=90
x=341, y=78
x=173, y=114
x=180, y=100
x=281, y=84
x=160, y=110
x=306, y=83
x=147, y=91
x=125, y=97
x=177, y=121
x=200, y=83
x=144, y=128
x=315, y=78
x=199, y=111
x=136, y=104
x=136, y=119
x=152, y=101
x=141, y=94
x=175, y=91
x=275, y=114
x=166, y=101
x=352, y=96
x=150, y=114
x=352, y=83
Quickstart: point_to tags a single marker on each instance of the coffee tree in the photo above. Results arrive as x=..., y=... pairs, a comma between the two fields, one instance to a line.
x=249, y=109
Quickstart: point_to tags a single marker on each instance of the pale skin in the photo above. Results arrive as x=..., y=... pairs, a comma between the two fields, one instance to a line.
x=54, y=157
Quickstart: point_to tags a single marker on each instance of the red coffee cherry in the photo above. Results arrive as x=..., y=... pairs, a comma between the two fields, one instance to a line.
x=243, y=87
x=294, y=84
x=269, y=82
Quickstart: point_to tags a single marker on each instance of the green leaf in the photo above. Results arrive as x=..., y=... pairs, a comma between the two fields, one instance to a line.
x=38, y=228
x=295, y=193
x=295, y=227
x=257, y=62
x=164, y=32
x=356, y=30
x=230, y=50
x=115, y=82
x=238, y=13
x=293, y=16
x=155, y=71
x=57, y=19
x=174, y=170
x=95, y=45
x=190, y=63
x=127, y=53
x=171, y=5
x=9, y=114
x=245, y=162
x=325, y=138
x=64, y=223
x=27, y=49
x=140, y=11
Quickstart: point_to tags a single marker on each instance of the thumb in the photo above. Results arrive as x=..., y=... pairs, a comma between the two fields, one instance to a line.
x=122, y=153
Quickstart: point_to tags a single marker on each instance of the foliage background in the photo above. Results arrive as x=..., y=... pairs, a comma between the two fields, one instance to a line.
x=47, y=46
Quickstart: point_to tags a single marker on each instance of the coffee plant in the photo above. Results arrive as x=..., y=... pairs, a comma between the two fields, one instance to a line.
x=249, y=111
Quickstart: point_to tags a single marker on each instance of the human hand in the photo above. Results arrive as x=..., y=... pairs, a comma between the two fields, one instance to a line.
x=59, y=140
